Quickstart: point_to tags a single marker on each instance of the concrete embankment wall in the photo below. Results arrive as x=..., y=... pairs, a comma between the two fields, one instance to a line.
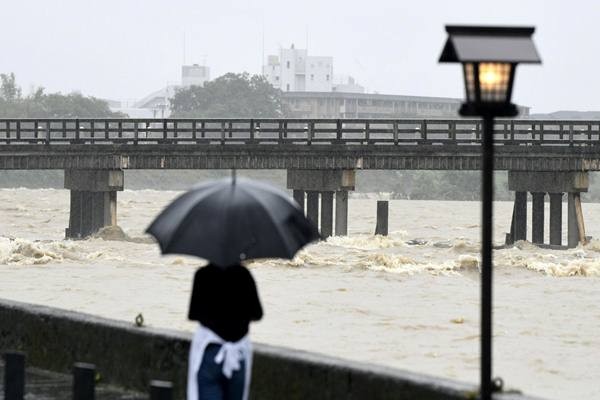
x=131, y=356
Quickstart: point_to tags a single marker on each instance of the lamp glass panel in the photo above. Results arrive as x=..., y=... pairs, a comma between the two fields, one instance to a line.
x=469, y=70
x=494, y=79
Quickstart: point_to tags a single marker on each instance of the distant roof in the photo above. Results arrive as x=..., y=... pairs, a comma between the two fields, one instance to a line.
x=371, y=96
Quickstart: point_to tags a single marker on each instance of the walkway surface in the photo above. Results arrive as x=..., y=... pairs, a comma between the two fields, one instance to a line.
x=46, y=385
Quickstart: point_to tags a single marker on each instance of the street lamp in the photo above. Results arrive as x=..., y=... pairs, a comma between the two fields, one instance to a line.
x=489, y=56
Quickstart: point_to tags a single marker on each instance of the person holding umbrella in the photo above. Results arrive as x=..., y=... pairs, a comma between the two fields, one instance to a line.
x=226, y=222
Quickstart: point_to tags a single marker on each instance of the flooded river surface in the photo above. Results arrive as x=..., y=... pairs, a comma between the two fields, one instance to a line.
x=409, y=300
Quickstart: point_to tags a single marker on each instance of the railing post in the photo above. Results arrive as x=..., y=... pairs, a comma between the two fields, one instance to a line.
x=136, y=133
x=424, y=129
x=452, y=131
x=194, y=131
x=230, y=129
x=222, y=132
x=202, y=130
x=338, y=129
x=309, y=132
x=84, y=376
x=77, y=129
x=252, y=129
x=541, y=133
x=395, y=128
x=47, y=132
x=512, y=130
x=571, y=134
x=120, y=128
x=367, y=132
x=161, y=390
x=165, y=130
x=14, y=375
x=18, y=130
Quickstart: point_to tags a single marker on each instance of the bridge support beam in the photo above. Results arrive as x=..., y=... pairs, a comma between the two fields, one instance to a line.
x=537, y=217
x=326, y=183
x=555, y=183
x=556, y=219
x=326, y=214
x=341, y=213
x=93, y=200
x=299, y=197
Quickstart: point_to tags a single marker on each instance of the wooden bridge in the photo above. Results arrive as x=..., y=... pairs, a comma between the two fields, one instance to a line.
x=532, y=145
x=321, y=156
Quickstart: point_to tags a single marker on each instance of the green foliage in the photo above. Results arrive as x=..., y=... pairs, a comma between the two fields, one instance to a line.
x=41, y=105
x=229, y=96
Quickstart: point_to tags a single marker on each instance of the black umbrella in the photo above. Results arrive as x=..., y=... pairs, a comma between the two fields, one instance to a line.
x=229, y=220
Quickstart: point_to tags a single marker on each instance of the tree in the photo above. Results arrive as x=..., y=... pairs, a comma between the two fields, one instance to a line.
x=229, y=96
x=55, y=105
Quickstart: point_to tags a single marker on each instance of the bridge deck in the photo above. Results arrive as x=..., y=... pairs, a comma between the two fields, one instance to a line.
x=294, y=143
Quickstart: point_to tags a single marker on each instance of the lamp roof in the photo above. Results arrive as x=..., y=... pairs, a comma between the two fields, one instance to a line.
x=489, y=44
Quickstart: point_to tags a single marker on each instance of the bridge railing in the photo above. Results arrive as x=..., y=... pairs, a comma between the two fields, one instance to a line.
x=293, y=131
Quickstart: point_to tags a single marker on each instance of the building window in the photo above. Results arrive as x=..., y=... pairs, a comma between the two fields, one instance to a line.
x=287, y=64
x=277, y=78
x=327, y=77
x=312, y=77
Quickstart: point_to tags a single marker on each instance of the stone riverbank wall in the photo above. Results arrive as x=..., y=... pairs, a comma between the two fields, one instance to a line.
x=131, y=356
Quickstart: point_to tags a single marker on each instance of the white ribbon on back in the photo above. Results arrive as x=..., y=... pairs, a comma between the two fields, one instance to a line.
x=231, y=354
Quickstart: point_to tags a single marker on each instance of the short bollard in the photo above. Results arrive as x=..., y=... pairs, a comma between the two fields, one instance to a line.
x=14, y=375
x=161, y=390
x=84, y=377
x=382, y=218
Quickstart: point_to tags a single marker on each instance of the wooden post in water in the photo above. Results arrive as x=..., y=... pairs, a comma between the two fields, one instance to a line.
x=84, y=379
x=382, y=218
x=14, y=375
x=161, y=390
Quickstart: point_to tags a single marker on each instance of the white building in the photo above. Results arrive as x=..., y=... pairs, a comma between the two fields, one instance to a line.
x=194, y=75
x=293, y=70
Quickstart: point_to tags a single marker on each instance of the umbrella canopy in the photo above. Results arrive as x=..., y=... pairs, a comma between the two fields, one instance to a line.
x=229, y=220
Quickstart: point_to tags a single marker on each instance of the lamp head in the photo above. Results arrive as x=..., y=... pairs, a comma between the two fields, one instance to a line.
x=489, y=56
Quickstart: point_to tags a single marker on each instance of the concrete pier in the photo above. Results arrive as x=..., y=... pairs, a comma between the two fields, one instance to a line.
x=312, y=206
x=537, y=218
x=93, y=200
x=326, y=214
x=341, y=212
x=330, y=185
x=556, y=218
x=520, y=216
x=555, y=183
x=299, y=197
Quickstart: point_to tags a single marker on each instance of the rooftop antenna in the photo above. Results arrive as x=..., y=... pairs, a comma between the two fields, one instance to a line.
x=306, y=39
x=262, y=62
x=184, y=47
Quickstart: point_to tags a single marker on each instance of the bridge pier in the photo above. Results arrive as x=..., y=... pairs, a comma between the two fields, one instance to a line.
x=330, y=186
x=554, y=183
x=93, y=200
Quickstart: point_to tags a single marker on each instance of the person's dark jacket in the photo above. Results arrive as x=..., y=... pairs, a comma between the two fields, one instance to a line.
x=225, y=300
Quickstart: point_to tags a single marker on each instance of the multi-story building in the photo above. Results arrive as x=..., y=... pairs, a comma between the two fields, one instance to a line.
x=293, y=70
x=366, y=105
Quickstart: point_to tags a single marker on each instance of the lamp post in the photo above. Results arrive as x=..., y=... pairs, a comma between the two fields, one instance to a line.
x=489, y=56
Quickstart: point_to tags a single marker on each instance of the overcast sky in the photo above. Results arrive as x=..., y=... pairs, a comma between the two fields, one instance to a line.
x=124, y=49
